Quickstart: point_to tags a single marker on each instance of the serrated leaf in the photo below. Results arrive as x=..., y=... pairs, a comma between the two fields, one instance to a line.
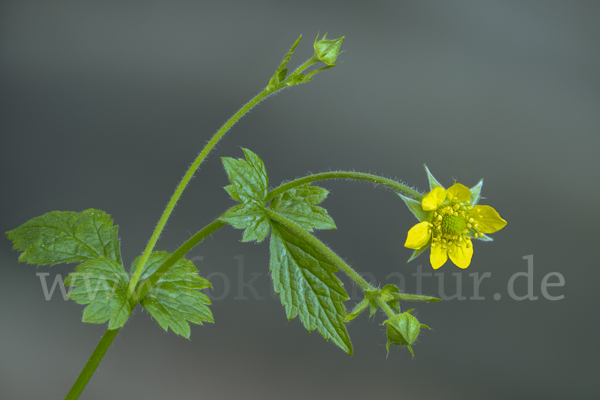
x=67, y=236
x=433, y=183
x=308, y=287
x=248, y=177
x=299, y=205
x=281, y=71
x=102, y=284
x=252, y=218
x=476, y=193
x=175, y=298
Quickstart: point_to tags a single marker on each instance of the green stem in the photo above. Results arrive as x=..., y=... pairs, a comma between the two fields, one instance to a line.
x=194, y=167
x=383, y=305
x=92, y=364
x=397, y=186
x=326, y=251
x=176, y=256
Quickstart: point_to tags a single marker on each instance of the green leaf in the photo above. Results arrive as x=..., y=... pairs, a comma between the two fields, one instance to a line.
x=305, y=78
x=250, y=187
x=433, y=183
x=415, y=297
x=476, y=193
x=308, y=287
x=298, y=204
x=281, y=71
x=387, y=294
x=252, y=218
x=360, y=307
x=416, y=208
x=67, y=236
x=102, y=284
x=175, y=298
x=248, y=177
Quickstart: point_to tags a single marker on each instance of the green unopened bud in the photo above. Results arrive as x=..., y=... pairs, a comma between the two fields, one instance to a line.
x=403, y=330
x=326, y=51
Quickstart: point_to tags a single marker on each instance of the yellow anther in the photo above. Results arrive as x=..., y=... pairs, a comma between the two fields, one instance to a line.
x=469, y=226
x=471, y=220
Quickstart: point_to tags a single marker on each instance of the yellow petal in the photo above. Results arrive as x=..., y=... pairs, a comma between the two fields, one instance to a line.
x=461, y=256
x=438, y=256
x=458, y=192
x=418, y=236
x=487, y=219
x=434, y=199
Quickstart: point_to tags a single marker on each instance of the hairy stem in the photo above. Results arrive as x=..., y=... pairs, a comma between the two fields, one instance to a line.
x=92, y=364
x=316, y=243
x=397, y=186
x=383, y=305
x=194, y=167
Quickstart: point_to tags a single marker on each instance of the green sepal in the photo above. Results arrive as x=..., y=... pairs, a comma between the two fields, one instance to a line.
x=433, y=183
x=308, y=287
x=299, y=205
x=476, y=193
x=175, y=299
x=402, y=330
x=66, y=237
x=102, y=284
x=281, y=71
x=417, y=252
x=484, y=238
x=416, y=208
x=250, y=217
x=248, y=177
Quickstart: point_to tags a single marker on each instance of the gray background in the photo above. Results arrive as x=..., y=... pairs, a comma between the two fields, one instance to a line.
x=105, y=105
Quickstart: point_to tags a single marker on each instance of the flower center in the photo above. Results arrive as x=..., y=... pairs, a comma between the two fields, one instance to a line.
x=453, y=224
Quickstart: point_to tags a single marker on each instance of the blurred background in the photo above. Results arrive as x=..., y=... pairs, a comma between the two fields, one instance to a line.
x=105, y=104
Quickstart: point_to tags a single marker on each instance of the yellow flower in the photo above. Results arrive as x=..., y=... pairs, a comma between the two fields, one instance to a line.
x=449, y=220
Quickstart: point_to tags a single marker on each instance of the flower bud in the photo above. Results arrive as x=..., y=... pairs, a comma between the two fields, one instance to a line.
x=326, y=51
x=403, y=330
